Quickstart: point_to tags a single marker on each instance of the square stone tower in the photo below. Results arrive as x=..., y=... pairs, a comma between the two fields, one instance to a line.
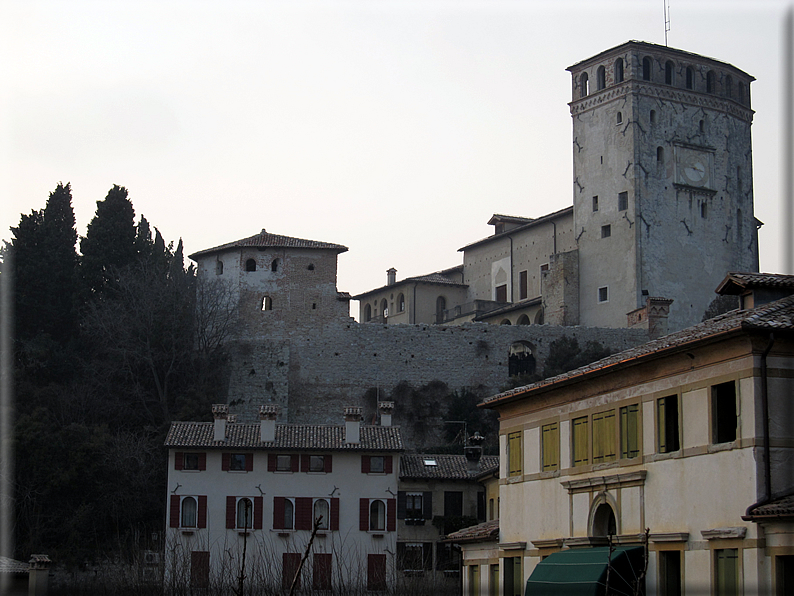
x=663, y=186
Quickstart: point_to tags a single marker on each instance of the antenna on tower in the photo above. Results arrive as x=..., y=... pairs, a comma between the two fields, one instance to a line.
x=666, y=19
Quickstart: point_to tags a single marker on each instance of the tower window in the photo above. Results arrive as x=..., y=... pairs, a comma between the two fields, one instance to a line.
x=310, y=267
x=653, y=116
x=646, y=69
x=603, y=294
x=584, y=85
x=267, y=303
x=690, y=77
x=669, y=73
x=660, y=154
x=601, y=78
x=623, y=201
x=619, y=70
x=703, y=210
x=219, y=268
x=274, y=265
x=595, y=204
x=620, y=118
x=702, y=125
x=710, y=81
x=729, y=86
x=606, y=231
x=250, y=265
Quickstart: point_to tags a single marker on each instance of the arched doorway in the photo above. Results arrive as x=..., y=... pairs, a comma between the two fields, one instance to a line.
x=441, y=306
x=521, y=360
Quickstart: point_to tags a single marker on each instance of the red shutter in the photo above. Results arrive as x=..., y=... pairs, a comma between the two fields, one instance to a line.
x=321, y=579
x=202, y=511
x=290, y=564
x=363, y=514
x=278, y=513
x=327, y=467
x=249, y=462
x=173, y=518
x=225, y=461
x=202, y=461
x=304, y=463
x=387, y=464
x=272, y=462
x=294, y=462
x=333, y=524
x=376, y=572
x=365, y=464
x=258, y=508
x=391, y=515
x=231, y=505
x=179, y=457
x=303, y=513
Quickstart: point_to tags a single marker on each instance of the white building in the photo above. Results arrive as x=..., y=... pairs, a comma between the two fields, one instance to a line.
x=243, y=499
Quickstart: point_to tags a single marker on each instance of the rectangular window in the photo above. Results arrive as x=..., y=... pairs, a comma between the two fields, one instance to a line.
x=604, y=437
x=580, y=441
x=501, y=293
x=415, y=556
x=630, y=431
x=453, y=503
x=190, y=461
x=669, y=573
x=723, y=412
x=316, y=463
x=623, y=201
x=283, y=463
x=606, y=231
x=595, y=204
x=523, y=288
x=603, y=294
x=474, y=580
x=726, y=572
x=413, y=506
x=550, y=446
x=237, y=462
x=544, y=267
x=515, y=456
x=513, y=583
x=376, y=464
x=667, y=423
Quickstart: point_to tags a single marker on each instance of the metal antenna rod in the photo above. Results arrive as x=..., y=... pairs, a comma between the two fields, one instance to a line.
x=666, y=19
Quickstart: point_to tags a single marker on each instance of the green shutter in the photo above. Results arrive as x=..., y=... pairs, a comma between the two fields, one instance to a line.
x=515, y=457
x=580, y=457
x=661, y=424
x=629, y=431
x=727, y=572
x=551, y=446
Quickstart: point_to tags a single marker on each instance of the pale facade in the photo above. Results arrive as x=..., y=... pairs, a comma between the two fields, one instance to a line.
x=671, y=437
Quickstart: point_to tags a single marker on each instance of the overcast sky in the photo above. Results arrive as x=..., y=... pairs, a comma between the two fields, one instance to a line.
x=395, y=128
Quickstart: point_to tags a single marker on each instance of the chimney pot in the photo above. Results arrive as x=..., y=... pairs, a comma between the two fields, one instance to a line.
x=353, y=424
x=267, y=423
x=220, y=412
x=391, y=276
x=385, y=408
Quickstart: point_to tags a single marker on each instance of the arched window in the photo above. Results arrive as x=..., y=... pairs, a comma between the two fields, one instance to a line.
x=377, y=515
x=690, y=77
x=618, y=70
x=604, y=522
x=653, y=116
x=245, y=514
x=729, y=86
x=505, y=322
x=660, y=154
x=702, y=126
x=520, y=360
x=274, y=265
x=584, y=85
x=669, y=73
x=400, y=303
x=267, y=303
x=189, y=512
x=601, y=78
x=250, y=265
x=619, y=118
x=646, y=69
x=367, y=313
x=384, y=308
x=539, y=317
x=218, y=267
x=710, y=81
x=441, y=306
x=289, y=514
x=322, y=510
x=523, y=320
x=310, y=267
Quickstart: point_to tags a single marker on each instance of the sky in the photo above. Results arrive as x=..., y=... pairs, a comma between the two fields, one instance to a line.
x=395, y=128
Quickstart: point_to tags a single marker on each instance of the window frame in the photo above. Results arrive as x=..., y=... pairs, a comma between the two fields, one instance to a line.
x=580, y=439
x=625, y=431
x=373, y=469
x=240, y=501
x=719, y=415
x=281, y=458
x=312, y=464
x=664, y=425
x=325, y=525
x=238, y=462
x=182, y=500
x=602, y=297
x=550, y=447
x=379, y=504
x=604, y=448
x=515, y=454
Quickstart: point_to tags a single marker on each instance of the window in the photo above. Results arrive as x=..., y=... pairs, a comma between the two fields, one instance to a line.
x=646, y=69
x=623, y=201
x=726, y=572
x=606, y=231
x=710, y=81
x=619, y=118
x=584, y=85
x=703, y=210
x=321, y=571
x=619, y=70
x=491, y=510
x=604, y=437
x=274, y=265
x=550, y=446
x=190, y=461
x=316, y=463
x=669, y=73
x=453, y=503
x=283, y=514
x=653, y=116
x=377, y=516
x=579, y=440
x=702, y=126
x=415, y=556
x=250, y=265
x=441, y=306
x=376, y=464
x=667, y=423
x=310, y=267
x=384, y=308
x=322, y=511
x=267, y=303
x=601, y=78
x=188, y=512
x=400, y=303
x=595, y=204
x=723, y=412
x=513, y=577
x=522, y=285
x=604, y=522
x=669, y=573
x=630, y=431
x=515, y=456
x=282, y=463
x=219, y=268
x=189, y=515
x=603, y=294
x=237, y=462
x=474, y=579
x=367, y=313
x=501, y=293
x=245, y=513
x=414, y=506
x=729, y=86
x=690, y=77
x=544, y=267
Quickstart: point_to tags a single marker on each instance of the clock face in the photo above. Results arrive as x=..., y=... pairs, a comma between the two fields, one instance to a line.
x=695, y=173
x=694, y=167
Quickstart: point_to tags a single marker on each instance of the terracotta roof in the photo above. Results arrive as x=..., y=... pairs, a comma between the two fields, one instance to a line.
x=448, y=467
x=497, y=217
x=484, y=532
x=266, y=240
x=780, y=507
x=736, y=283
x=512, y=306
x=12, y=566
x=774, y=316
x=297, y=437
x=431, y=278
x=519, y=228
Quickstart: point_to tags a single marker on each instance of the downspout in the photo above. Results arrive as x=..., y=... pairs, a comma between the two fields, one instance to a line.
x=413, y=306
x=512, y=285
x=554, y=237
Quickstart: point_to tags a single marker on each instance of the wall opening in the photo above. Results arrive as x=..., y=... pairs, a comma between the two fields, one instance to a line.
x=604, y=522
x=690, y=77
x=441, y=306
x=250, y=265
x=520, y=359
x=267, y=303
x=669, y=73
x=218, y=267
x=274, y=265
x=646, y=69
x=619, y=70
x=584, y=85
x=601, y=78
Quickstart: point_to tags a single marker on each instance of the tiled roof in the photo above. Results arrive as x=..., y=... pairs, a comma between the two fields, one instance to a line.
x=513, y=306
x=298, y=437
x=519, y=228
x=736, y=283
x=12, y=566
x=263, y=239
x=431, y=278
x=774, y=316
x=448, y=467
x=484, y=532
x=497, y=217
x=781, y=507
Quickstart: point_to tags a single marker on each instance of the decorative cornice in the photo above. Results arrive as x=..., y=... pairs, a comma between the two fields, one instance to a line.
x=723, y=533
x=512, y=545
x=604, y=482
x=551, y=543
x=670, y=537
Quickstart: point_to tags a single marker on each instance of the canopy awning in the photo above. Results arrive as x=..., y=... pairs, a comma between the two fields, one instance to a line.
x=583, y=572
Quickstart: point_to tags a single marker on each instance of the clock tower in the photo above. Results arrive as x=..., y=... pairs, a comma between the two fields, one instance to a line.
x=662, y=189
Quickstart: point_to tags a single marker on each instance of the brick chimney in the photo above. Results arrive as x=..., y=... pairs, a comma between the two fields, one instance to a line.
x=220, y=412
x=353, y=424
x=267, y=423
x=38, y=575
x=391, y=276
x=473, y=452
x=385, y=408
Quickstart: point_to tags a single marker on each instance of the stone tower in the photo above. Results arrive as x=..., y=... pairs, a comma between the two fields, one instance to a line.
x=663, y=186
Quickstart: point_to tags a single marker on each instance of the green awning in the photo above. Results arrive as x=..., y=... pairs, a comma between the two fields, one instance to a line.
x=583, y=572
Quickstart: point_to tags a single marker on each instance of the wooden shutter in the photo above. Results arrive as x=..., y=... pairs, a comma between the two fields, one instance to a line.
x=629, y=431
x=249, y=462
x=365, y=464
x=199, y=569
x=551, y=446
x=173, y=517
x=259, y=503
x=272, y=462
x=391, y=515
x=202, y=512
x=303, y=513
x=333, y=524
x=321, y=574
x=179, y=459
x=294, y=462
x=202, y=457
x=376, y=572
x=427, y=505
x=226, y=461
x=305, y=459
x=580, y=457
x=290, y=565
x=387, y=464
x=363, y=514
x=278, y=513
x=515, y=456
x=327, y=464
x=401, y=498
x=231, y=506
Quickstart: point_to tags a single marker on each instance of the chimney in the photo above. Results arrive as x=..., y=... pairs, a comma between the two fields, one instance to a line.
x=385, y=408
x=267, y=423
x=353, y=424
x=220, y=412
x=391, y=276
x=38, y=575
x=658, y=311
x=473, y=452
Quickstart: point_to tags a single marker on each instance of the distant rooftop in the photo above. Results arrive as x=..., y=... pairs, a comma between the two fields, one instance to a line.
x=265, y=240
x=444, y=467
x=484, y=532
